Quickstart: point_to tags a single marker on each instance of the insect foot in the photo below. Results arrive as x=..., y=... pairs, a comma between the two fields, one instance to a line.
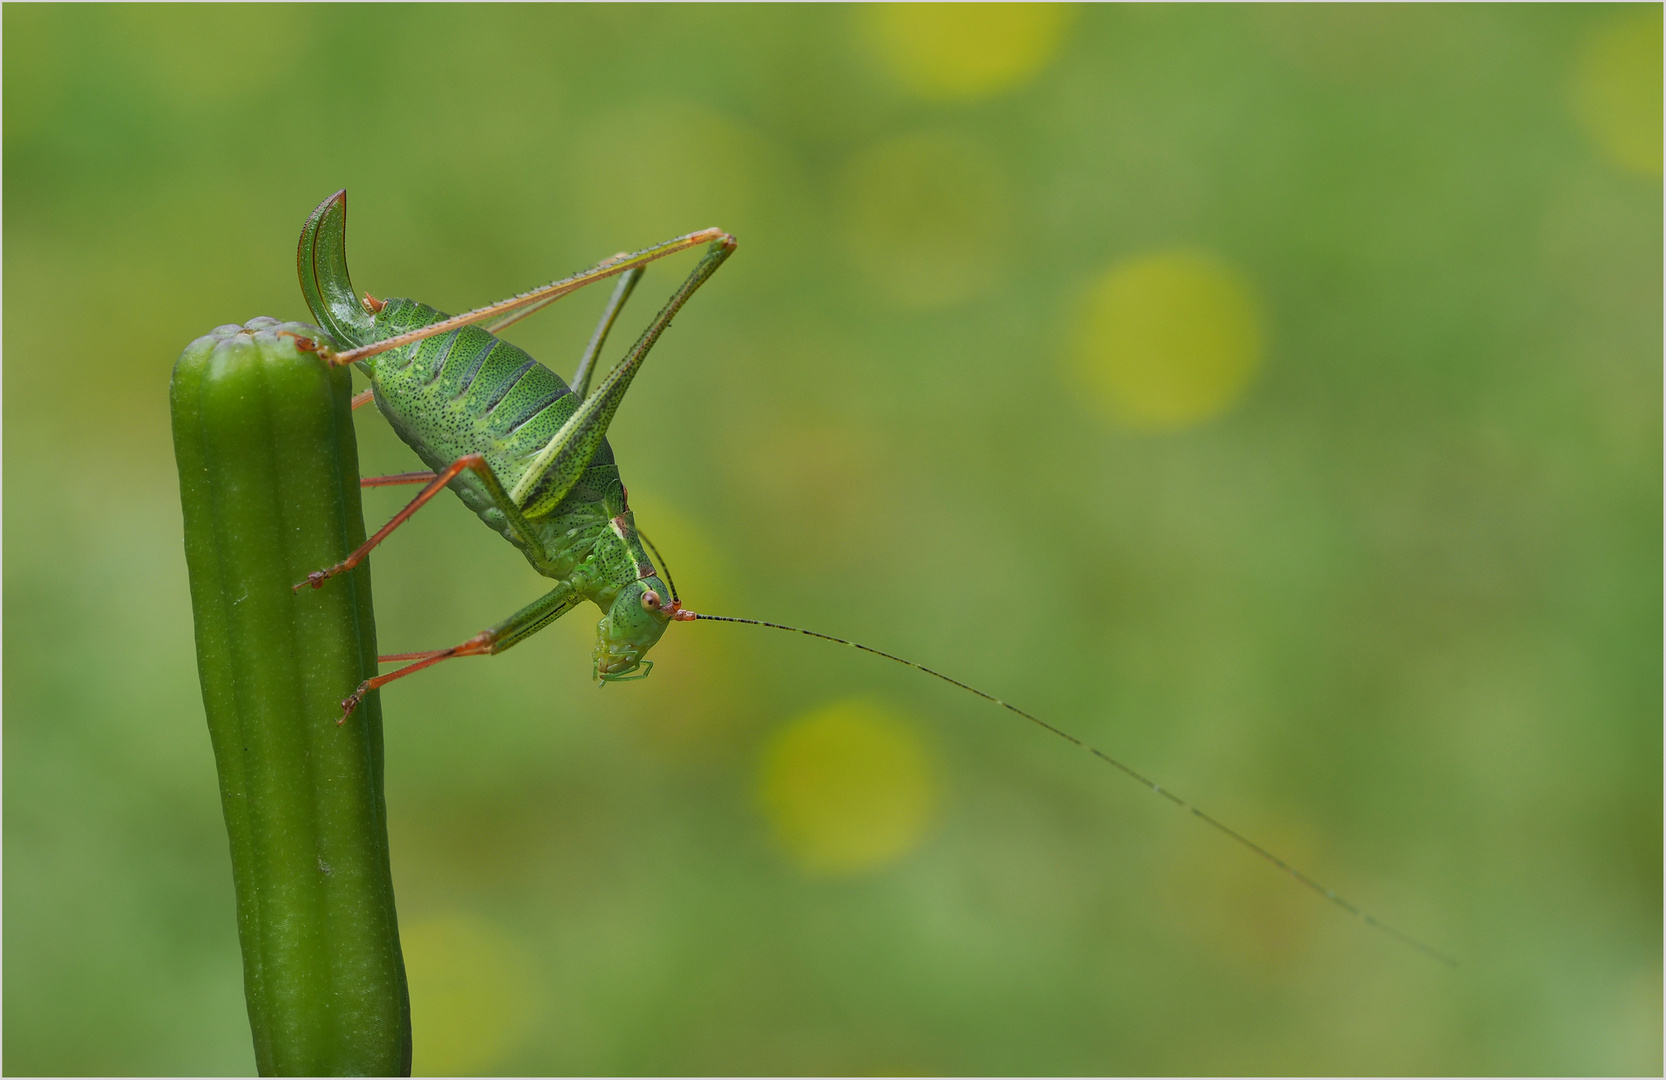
x=313, y=345
x=351, y=702
x=310, y=344
x=316, y=579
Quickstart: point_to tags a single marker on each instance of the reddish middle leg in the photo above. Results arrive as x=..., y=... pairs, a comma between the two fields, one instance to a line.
x=435, y=486
x=396, y=478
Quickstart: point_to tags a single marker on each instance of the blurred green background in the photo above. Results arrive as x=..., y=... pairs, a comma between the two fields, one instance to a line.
x=1271, y=396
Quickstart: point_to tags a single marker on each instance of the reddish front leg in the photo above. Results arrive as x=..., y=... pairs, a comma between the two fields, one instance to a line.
x=517, y=627
x=477, y=645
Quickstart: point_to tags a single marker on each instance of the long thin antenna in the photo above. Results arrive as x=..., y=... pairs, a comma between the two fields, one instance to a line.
x=663, y=568
x=1345, y=905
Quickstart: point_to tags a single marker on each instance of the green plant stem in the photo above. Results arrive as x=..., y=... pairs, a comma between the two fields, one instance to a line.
x=268, y=469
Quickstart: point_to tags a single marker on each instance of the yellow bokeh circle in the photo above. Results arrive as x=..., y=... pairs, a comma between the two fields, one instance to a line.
x=1168, y=339
x=847, y=788
x=1617, y=88
x=962, y=51
x=925, y=218
x=471, y=990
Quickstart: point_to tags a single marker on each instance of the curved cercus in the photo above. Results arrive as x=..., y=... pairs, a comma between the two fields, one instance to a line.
x=321, y=261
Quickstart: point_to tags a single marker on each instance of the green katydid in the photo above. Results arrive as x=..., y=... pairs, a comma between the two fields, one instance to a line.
x=529, y=455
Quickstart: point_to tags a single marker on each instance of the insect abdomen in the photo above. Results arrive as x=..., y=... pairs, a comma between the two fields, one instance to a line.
x=468, y=392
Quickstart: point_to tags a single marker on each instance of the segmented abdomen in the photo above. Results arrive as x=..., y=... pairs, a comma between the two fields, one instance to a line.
x=468, y=392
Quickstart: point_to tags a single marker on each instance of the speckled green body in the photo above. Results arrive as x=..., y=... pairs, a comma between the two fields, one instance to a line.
x=522, y=449
x=469, y=392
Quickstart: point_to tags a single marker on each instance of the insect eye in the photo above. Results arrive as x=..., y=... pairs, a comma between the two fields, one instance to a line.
x=650, y=600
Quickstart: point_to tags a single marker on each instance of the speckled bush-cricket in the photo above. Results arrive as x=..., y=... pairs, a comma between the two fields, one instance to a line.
x=528, y=453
